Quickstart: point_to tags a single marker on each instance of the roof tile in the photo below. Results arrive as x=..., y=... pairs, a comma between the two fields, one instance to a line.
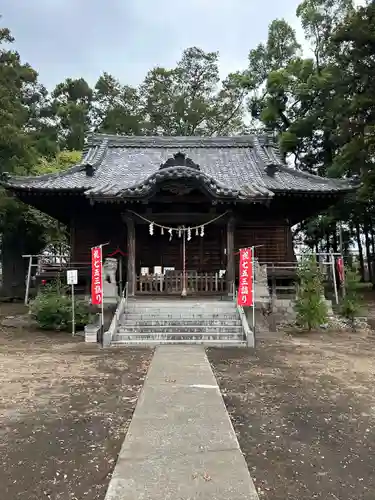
x=229, y=167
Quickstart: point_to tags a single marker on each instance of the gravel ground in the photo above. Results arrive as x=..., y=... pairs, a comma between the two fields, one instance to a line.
x=304, y=411
x=64, y=411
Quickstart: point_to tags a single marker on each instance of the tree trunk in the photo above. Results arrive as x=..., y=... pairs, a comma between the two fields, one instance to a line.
x=368, y=252
x=360, y=251
x=14, y=267
x=14, y=244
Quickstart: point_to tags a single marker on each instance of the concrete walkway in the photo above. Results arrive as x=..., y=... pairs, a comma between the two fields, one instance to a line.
x=181, y=444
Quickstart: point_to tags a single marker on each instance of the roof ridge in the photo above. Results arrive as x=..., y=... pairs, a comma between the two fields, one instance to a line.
x=245, y=140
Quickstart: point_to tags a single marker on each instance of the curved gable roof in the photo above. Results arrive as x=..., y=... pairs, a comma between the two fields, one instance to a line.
x=245, y=167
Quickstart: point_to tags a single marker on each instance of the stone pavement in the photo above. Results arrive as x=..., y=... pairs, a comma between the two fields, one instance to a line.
x=181, y=444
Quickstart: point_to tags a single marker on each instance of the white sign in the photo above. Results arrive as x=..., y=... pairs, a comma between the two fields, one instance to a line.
x=72, y=277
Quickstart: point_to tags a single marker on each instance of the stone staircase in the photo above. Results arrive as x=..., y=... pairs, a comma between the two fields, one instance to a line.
x=179, y=321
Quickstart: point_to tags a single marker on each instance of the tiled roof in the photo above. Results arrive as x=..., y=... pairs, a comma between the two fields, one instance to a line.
x=246, y=167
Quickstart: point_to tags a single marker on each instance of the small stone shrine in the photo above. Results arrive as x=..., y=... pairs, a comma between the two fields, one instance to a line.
x=110, y=289
x=261, y=290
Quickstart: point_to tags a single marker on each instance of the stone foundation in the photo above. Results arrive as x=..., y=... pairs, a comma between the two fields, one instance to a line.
x=283, y=309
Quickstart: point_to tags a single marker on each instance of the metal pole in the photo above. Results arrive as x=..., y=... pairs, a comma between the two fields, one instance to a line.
x=28, y=280
x=73, y=314
x=184, y=291
x=102, y=304
x=253, y=280
x=334, y=278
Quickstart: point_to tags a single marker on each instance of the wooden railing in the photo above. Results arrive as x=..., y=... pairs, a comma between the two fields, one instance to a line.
x=174, y=283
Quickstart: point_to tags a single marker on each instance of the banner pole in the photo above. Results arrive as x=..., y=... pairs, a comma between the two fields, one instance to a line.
x=253, y=280
x=102, y=304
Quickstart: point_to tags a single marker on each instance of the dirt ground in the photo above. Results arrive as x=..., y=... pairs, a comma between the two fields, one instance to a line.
x=64, y=411
x=304, y=412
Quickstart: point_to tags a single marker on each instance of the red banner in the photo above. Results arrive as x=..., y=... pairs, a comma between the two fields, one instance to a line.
x=245, y=289
x=340, y=269
x=96, y=276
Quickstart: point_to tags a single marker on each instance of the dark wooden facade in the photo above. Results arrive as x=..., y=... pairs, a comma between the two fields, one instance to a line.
x=123, y=183
x=124, y=229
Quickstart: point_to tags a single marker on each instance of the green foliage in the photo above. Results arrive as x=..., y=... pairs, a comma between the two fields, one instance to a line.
x=62, y=161
x=52, y=309
x=72, y=104
x=352, y=303
x=322, y=107
x=310, y=305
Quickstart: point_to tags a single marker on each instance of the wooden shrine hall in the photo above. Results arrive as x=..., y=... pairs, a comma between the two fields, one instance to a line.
x=179, y=208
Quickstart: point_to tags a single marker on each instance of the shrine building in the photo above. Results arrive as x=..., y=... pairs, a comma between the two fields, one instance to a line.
x=168, y=206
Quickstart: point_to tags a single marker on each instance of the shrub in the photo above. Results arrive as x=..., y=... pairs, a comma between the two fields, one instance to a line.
x=310, y=304
x=52, y=309
x=351, y=303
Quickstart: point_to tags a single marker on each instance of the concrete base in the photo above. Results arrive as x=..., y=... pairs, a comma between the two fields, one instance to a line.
x=91, y=333
x=181, y=443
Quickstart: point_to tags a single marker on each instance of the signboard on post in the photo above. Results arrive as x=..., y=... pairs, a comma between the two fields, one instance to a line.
x=96, y=276
x=245, y=295
x=72, y=279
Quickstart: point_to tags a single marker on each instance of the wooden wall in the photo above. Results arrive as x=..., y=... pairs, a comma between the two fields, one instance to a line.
x=204, y=254
x=273, y=241
x=89, y=230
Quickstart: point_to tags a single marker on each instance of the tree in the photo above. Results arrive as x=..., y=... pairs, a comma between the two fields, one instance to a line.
x=17, y=155
x=72, y=105
x=280, y=50
x=190, y=99
x=310, y=303
x=354, y=46
x=306, y=102
x=17, y=152
x=351, y=303
x=117, y=107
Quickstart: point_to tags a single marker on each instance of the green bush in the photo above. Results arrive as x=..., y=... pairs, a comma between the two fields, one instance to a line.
x=310, y=304
x=351, y=303
x=52, y=309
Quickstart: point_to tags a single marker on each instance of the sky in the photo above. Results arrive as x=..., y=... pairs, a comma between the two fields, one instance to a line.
x=84, y=38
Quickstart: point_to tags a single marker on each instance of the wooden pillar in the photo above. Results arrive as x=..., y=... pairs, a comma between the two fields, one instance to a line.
x=231, y=272
x=131, y=275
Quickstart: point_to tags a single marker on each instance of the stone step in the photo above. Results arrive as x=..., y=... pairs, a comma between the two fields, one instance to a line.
x=178, y=328
x=229, y=310
x=119, y=337
x=181, y=305
x=179, y=321
x=183, y=301
x=153, y=343
x=180, y=316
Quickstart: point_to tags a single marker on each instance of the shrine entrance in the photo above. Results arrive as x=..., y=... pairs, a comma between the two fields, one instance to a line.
x=180, y=260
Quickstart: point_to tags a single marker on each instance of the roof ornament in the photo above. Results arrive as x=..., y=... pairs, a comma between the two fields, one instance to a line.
x=89, y=169
x=179, y=160
x=271, y=169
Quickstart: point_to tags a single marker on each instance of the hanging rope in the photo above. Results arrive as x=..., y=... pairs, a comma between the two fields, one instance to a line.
x=180, y=228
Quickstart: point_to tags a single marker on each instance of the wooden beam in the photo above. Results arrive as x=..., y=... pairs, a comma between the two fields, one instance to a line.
x=131, y=274
x=230, y=273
